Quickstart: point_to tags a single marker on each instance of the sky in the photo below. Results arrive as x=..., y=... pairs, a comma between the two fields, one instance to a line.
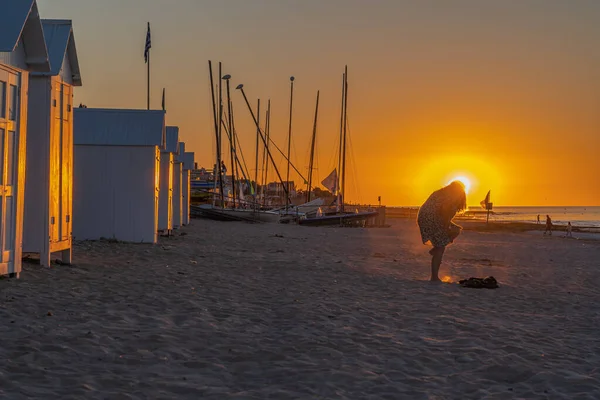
x=505, y=93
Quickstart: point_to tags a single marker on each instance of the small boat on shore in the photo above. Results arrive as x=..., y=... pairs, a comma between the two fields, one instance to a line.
x=234, y=214
x=342, y=219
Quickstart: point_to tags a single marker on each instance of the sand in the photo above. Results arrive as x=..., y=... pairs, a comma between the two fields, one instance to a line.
x=233, y=310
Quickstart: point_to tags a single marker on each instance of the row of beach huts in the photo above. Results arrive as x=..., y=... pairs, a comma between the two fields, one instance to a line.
x=72, y=173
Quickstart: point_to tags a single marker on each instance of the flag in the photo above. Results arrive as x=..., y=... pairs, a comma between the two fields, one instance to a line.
x=163, y=101
x=331, y=182
x=148, y=45
x=485, y=201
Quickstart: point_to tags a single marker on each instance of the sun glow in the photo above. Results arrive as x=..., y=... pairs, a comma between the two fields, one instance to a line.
x=464, y=181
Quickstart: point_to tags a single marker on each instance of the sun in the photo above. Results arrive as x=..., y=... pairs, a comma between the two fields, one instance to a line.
x=464, y=181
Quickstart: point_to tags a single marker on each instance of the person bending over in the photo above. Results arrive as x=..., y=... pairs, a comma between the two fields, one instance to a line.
x=435, y=221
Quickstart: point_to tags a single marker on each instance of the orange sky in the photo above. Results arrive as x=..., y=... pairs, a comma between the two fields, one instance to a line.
x=505, y=93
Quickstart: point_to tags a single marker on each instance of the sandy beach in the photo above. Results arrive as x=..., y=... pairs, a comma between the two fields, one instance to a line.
x=233, y=310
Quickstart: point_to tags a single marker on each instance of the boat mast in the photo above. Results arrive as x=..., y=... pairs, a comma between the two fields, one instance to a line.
x=343, y=192
x=221, y=177
x=217, y=132
x=237, y=164
x=266, y=149
x=339, y=169
x=256, y=164
x=287, y=177
x=231, y=135
x=312, y=152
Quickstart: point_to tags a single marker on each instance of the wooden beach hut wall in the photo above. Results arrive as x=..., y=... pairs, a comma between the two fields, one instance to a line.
x=49, y=183
x=188, y=165
x=22, y=50
x=185, y=187
x=176, y=199
x=165, y=209
x=116, y=174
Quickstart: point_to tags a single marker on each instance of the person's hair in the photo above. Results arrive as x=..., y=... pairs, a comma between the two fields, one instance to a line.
x=456, y=191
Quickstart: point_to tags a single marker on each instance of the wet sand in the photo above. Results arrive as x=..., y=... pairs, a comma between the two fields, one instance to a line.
x=233, y=310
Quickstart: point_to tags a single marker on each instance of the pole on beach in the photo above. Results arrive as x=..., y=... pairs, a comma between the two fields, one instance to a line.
x=287, y=177
x=240, y=87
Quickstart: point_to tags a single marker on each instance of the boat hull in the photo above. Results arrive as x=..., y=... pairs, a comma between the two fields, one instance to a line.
x=230, y=214
x=338, y=219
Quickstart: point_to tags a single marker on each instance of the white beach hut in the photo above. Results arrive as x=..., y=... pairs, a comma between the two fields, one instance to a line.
x=49, y=183
x=22, y=50
x=188, y=165
x=165, y=205
x=185, y=187
x=176, y=198
x=117, y=156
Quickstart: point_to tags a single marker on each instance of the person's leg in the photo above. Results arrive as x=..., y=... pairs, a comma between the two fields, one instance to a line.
x=436, y=260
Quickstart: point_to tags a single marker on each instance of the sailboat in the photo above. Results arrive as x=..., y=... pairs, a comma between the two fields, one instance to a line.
x=294, y=212
x=219, y=211
x=337, y=184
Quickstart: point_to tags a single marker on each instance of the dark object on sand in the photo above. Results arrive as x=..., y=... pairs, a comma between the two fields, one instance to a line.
x=480, y=283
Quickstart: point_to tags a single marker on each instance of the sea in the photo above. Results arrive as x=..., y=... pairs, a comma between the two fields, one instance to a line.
x=578, y=216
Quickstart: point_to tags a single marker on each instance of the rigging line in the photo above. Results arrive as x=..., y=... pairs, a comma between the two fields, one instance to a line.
x=285, y=158
x=237, y=159
x=244, y=165
x=353, y=163
x=316, y=160
x=333, y=158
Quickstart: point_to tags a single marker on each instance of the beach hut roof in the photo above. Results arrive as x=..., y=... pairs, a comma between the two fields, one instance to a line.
x=188, y=160
x=20, y=20
x=101, y=126
x=173, y=139
x=181, y=152
x=60, y=42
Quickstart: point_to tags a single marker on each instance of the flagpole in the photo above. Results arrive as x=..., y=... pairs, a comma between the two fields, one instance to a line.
x=148, y=87
x=147, y=48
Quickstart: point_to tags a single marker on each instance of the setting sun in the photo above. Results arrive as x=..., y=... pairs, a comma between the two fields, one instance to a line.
x=464, y=181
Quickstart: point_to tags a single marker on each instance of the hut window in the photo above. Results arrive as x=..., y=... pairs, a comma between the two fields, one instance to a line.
x=2, y=99
x=13, y=104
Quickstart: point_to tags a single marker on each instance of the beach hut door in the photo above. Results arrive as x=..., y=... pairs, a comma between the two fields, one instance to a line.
x=9, y=140
x=66, y=155
x=61, y=156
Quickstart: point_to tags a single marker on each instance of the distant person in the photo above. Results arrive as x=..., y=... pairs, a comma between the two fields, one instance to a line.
x=548, y=225
x=435, y=221
x=538, y=221
x=569, y=229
